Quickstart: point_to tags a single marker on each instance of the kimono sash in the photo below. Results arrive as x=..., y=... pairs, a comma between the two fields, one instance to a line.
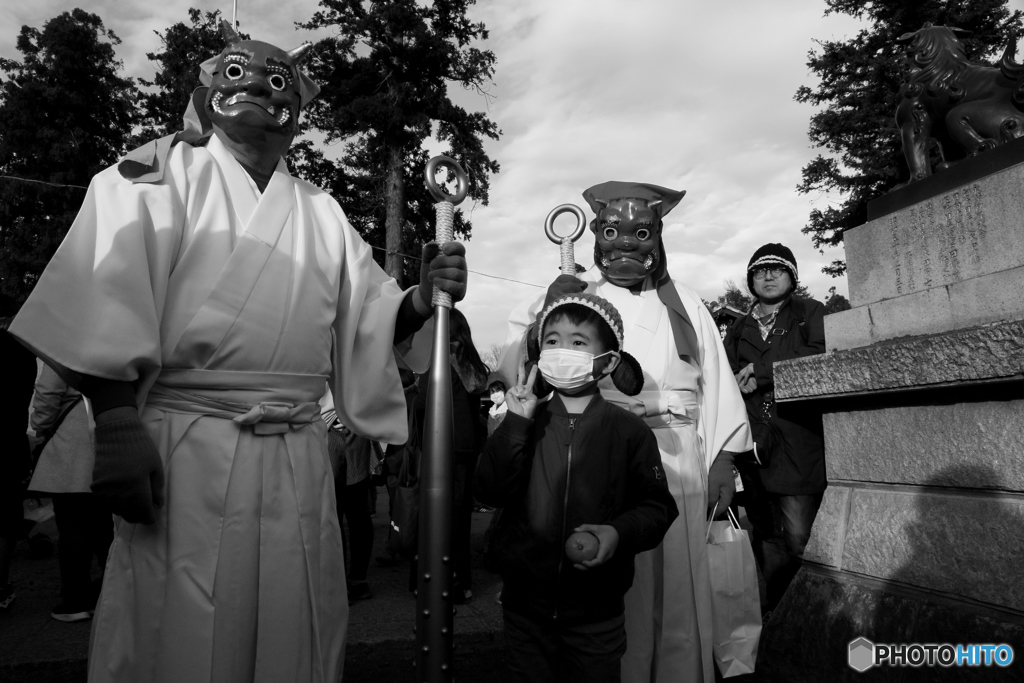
x=272, y=403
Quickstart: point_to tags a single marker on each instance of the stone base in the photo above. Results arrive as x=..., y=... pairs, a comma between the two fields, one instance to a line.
x=954, y=359
x=824, y=610
x=969, y=303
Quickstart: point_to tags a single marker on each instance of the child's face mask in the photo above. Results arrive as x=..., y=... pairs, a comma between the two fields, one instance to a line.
x=566, y=369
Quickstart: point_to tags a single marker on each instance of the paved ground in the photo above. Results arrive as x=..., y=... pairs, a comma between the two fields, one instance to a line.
x=34, y=648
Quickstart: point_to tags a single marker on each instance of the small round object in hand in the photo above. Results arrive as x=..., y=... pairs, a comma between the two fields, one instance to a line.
x=581, y=546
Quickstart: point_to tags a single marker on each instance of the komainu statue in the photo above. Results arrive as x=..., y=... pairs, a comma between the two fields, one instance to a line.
x=966, y=108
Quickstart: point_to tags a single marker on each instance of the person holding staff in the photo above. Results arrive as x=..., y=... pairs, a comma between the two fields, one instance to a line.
x=201, y=300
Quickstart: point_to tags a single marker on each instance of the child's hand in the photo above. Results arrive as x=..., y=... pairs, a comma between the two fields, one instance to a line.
x=607, y=539
x=520, y=399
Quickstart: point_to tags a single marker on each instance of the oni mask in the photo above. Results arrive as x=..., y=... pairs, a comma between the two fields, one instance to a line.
x=255, y=87
x=627, y=228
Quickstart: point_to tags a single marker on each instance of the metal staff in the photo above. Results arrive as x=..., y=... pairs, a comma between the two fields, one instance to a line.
x=568, y=255
x=434, y=600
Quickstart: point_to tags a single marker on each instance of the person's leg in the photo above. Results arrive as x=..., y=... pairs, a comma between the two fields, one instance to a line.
x=794, y=519
x=74, y=554
x=592, y=653
x=462, y=524
x=531, y=649
x=360, y=533
x=798, y=513
x=101, y=529
x=766, y=540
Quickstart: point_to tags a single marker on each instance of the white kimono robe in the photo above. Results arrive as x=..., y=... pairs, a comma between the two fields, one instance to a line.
x=230, y=310
x=694, y=416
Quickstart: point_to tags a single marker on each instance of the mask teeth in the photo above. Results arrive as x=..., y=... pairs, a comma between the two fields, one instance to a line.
x=283, y=118
x=605, y=262
x=215, y=102
x=648, y=262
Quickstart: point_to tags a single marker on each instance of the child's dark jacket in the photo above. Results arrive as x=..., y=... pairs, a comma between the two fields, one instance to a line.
x=552, y=474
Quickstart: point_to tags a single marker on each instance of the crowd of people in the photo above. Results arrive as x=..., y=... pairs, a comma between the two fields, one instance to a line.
x=234, y=412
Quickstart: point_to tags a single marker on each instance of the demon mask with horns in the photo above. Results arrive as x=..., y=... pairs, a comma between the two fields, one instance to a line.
x=627, y=228
x=251, y=94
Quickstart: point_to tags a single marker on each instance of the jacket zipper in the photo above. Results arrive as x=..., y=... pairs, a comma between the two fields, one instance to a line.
x=565, y=501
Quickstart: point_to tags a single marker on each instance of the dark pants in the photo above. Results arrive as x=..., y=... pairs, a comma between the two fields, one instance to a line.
x=462, y=523
x=462, y=518
x=86, y=531
x=353, y=503
x=782, y=526
x=546, y=651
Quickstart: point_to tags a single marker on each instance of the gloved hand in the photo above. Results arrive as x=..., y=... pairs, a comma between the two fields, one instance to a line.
x=721, y=483
x=444, y=266
x=565, y=284
x=129, y=474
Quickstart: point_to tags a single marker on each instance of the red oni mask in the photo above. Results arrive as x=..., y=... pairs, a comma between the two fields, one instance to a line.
x=256, y=88
x=627, y=228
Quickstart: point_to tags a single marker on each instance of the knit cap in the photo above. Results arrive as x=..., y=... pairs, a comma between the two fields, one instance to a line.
x=628, y=377
x=772, y=254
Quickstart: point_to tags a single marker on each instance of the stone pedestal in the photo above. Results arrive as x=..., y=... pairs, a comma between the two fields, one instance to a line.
x=920, y=536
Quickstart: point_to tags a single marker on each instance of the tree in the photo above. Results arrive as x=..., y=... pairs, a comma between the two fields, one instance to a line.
x=859, y=81
x=384, y=76
x=184, y=49
x=801, y=292
x=735, y=297
x=65, y=114
x=836, y=302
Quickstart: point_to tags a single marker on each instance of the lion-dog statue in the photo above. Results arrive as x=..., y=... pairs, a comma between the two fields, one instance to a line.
x=966, y=108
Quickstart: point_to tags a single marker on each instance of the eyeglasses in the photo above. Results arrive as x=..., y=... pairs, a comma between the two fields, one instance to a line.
x=761, y=273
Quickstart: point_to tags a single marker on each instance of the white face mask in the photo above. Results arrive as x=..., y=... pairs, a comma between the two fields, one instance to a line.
x=497, y=398
x=567, y=369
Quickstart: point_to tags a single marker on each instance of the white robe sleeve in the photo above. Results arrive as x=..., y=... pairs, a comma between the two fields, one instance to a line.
x=367, y=390
x=97, y=307
x=723, y=416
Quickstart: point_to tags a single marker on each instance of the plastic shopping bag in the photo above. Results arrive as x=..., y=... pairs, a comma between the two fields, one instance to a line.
x=735, y=604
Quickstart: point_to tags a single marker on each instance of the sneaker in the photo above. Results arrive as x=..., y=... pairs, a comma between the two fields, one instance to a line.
x=64, y=612
x=359, y=590
x=6, y=596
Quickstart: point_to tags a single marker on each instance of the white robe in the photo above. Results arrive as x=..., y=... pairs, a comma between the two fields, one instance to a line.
x=694, y=415
x=228, y=308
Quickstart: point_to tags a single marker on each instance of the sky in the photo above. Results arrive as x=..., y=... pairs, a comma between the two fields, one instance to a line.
x=689, y=94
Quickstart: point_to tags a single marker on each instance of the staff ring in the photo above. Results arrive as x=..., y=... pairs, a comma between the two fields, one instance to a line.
x=581, y=222
x=453, y=167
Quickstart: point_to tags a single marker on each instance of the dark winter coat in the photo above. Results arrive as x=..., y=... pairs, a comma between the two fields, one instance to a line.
x=797, y=465
x=556, y=472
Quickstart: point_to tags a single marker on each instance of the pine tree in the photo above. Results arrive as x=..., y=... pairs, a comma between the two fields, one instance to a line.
x=65, y=114
x=384, y=76
x=859, y=82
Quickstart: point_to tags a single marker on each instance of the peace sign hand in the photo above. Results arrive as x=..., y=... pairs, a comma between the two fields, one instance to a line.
x=520, y=399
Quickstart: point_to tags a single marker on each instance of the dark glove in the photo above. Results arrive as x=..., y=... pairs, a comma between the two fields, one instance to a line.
x=565, y=284
x=721, y=483
x=444, y=266
x=129, y=474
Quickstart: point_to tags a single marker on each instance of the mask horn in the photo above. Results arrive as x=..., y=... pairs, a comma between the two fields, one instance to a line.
x=230, y=35
x=300, y=53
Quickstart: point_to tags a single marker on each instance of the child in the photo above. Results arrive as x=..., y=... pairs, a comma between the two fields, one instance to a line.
x=496, y=413
x=573, y=464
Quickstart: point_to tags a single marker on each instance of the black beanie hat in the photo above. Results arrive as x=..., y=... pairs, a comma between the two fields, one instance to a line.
x=772, y=254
